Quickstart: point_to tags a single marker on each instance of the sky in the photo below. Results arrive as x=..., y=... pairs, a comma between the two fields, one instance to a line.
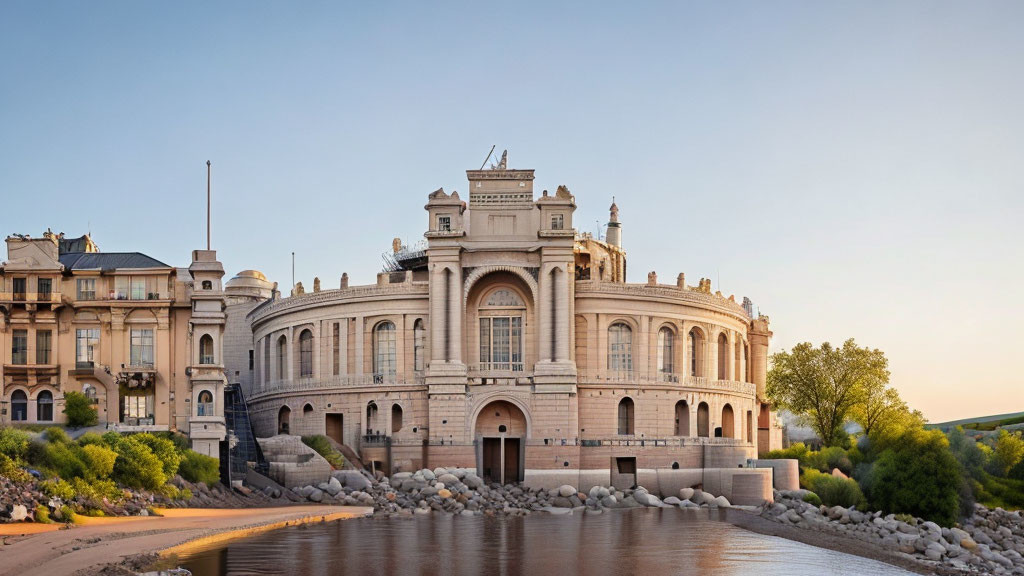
x=855, y=168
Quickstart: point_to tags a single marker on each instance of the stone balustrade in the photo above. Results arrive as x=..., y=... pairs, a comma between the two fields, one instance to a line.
x=335, y=383
x=668, y=379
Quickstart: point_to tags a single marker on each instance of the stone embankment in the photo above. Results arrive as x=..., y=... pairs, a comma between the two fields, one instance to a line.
x=459, y=491
x=989, y=542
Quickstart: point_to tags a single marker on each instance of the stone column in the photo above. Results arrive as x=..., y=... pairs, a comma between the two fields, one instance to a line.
x=317, y=347
x=544, y=316
x=760, y=336
x=360, y=360
x=454, y=316
x=438, y=294
x=289, y=371
x=561, y=310
x=343, y=367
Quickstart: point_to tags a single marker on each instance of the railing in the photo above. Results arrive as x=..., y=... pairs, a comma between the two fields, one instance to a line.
x=117, y=295
x=52, y=296
x=140, y=367
x=205, y=409
x=673, y=441
x=329, y=382
x=669, y=379
x=372, y=440
x=84, y=365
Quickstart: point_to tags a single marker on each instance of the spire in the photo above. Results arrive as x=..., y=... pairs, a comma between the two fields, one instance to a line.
x=614, y=234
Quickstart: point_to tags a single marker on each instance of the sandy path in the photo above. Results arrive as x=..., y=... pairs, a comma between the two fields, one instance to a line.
x=105, y=540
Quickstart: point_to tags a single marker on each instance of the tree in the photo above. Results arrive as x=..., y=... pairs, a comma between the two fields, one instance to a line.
x=882, y=411
x=79, y=410
x=1007, y=453
x=918, y=475
x=823, y=385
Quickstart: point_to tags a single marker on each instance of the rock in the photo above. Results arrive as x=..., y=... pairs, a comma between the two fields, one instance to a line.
x=444, y=493
x=672, y=501
x=686, y=504
x=721, y=502
x=447, y=479
x=316, y=495
x=609, y=501
x=686, y=494
x=561, y=502
x=353, y=479
x=556, y=511
x=566, y=490
x=474, y=481
x=428, y=474
x=18, y=513
x=836, y=472
x=333, y=486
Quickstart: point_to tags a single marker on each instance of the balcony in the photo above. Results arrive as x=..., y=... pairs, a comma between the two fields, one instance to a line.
x=341, y=382
x=371, y=440
x=668, y=379
x=671, y=441
x=20, y=297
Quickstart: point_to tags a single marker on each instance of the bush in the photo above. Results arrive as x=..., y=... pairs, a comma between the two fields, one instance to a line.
x=835, y=491
x=164, y=450
x=136, y=465
x=185, y=494
x=57, y=435
x=68, y=514
x=918, y=475
x=14, y=444
x=57, y=488
x=43, y=515
x=835, y=457
x=64, y=460
x=196, y=467
x=808, y=476
x=100, y=460
x=323, y=447
x=812, y=498
x=795, y=451
x=97, y=490
x=79, y=410
x=90, y=438
x=10, y=469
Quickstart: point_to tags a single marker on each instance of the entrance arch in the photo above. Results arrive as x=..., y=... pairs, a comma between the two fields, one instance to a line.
x=500, y=429
x=284, y=415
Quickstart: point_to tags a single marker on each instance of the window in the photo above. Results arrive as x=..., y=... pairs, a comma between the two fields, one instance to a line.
x=90, y=392
x=557, y=222
x=620, y=349
x=682, y=418
x=626, y=416
x=501, y=331
x=282, y=357
x=396, y=418
x=306, y=354
x=206, y=349
x=444, y=223
x=138, y=288
x=44, y=344
x=252, y=360
x=371, y=417
x=18, y=287
x=384, y=362
x=44, y=406
x=336, y=348
x=86, y=288
x=265, y=368
x=44, y=286
x=419, y=343
x=19, y=347
x=695, y=349
x=137, y=407
x=728, y=422
x=703, y=420
x=723, y=357
x=204, y=405
x=207, y=285
x=666, y=354
x=87, y=345
x=19, y=406
x=142, y=347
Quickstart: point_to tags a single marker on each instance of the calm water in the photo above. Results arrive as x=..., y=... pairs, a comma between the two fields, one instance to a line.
x=643, y=541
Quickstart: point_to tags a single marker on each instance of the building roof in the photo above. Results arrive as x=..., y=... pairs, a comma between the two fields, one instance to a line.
x=108, y=261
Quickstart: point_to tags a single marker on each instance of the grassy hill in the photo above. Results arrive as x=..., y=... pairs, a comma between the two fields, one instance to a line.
x=984, y=423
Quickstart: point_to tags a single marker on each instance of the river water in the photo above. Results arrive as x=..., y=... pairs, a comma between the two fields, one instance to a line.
x=646, y=542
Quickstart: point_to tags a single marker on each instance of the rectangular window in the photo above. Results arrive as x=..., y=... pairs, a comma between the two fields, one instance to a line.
x=121, y=287
x=44, y=287
x=87, y=346
x=86, y=288
x=43, y=346
x=18, y=287
x=138, y=409
x=19, y=347
x=444, y=223
x=266, y=360
x=557, y=222
x=501, y=346
x=336, y=351
x=138, y=288
x=142, y=347
x=252, y=360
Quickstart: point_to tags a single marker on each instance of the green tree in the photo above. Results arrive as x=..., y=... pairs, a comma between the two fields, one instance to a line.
x=1007, y=452
x=823, y=385
x=79, y=410
x=881, y=410
x=918, y=475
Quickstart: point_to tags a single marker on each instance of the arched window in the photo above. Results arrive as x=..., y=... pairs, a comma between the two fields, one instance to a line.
x=750, y=426
x=19, y=406
x=666, y=354
x=282, y=357
x=723, y=357
x=206, y=349
x=695, y=351
x=626, y=416
x=371, y=417
x=89, y=390
x=746, y=363
x=204, y=404
x=501, y=331
x=620, y=350
x=728, y=422
x=384, y=351
x=207, y=285
x=419, y=345
x=284, y=415
x=682, y=418
x=44, y=406
x=307, y=409
x=306, y=354
x=396, y=418
x=703, y=420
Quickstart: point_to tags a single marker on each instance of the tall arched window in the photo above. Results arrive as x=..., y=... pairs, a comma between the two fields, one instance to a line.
x=306, y=354
x=666, y=354
x=384, y=351
x=746, y=363
x=282, y=357
x=419, y=346
x=204, y=404
x=682, y=418
x=620, y=350
x=19, y=406
x=723, y=357
x=703, y=420
x=284, y=416
x=728, y=422
x=371, y=418
x=626, y=416
x=206, y=349
x=501, y=331
x=695, y=351
x=44, y=406
x=396, y=418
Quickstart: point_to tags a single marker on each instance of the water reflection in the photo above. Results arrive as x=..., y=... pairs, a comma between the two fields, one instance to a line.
x=645, y=541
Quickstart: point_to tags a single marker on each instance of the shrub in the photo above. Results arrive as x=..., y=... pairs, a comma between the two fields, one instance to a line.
x=918, y=475
x=14, y=444
x=812, y=498
x=43, y=515
x=57, y=435
x=196, y=467
x=90, y=438
x=808, y=476
x=835, y=457
x=10, y=469
x=68, y=515
x=835, y=491
x=164, y=450
x=100, y=460
x=97, y=490
x=79, y=410
x=64, y=460
x=136, y=465
x=169, y=491
x=795, y=451
x=324, y=448
x=57, y=488
x=185, y=494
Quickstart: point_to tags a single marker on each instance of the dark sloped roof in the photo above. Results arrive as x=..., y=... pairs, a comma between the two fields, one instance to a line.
x=108, y=261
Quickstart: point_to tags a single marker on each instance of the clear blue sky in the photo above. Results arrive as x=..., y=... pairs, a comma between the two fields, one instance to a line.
x=855, y=168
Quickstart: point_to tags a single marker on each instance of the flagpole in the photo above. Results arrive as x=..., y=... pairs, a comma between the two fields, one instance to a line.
x=207, y=204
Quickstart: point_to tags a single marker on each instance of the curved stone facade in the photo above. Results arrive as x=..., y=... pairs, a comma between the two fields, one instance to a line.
x=502, y=345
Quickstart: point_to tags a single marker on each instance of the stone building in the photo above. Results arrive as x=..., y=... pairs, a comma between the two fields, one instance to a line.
x=511, y=344
x=141, y=338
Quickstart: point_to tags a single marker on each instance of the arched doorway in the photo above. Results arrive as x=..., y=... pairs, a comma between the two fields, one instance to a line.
x=283, y=417
x=19, y=406
x=501, y=432
x=703, y=421
x=728, y=422
x=682, y=418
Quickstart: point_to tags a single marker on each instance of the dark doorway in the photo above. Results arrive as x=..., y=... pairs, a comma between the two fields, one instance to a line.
x=511, y=460
x=624, y=471
x=336, y=427
x=498, y=466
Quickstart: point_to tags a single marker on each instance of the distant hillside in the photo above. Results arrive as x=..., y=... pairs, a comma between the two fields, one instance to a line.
x=982, y=423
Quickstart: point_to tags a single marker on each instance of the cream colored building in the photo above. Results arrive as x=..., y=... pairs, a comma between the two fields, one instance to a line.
x=141, y=338
x=511, y=344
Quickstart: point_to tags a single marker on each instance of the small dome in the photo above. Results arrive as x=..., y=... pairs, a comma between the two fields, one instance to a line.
x=249, y=283
x=251, y=274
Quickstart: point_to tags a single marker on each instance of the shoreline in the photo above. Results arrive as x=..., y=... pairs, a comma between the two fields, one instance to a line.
x=111, y=546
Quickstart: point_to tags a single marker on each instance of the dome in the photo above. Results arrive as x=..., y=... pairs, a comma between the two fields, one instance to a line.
x=249, y=283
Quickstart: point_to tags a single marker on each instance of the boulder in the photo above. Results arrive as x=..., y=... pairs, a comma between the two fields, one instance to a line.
x=566, y=490
x=18, y=513
x=721, y=502
x=444, y=493
x=317, y=495
x=609, y=501
x=672, y=501
x=561, y=502
x=686, y=493
x=474, y=481
x=333, y=486
x=447, y=479
x=686, y=504
x=428, y=474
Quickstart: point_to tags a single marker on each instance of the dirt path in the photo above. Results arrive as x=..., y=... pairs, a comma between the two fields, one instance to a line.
x=105, y=540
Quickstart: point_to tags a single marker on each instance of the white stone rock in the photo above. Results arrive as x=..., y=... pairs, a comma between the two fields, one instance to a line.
x=686, y=493
x=18, y=513
x=566, y=490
